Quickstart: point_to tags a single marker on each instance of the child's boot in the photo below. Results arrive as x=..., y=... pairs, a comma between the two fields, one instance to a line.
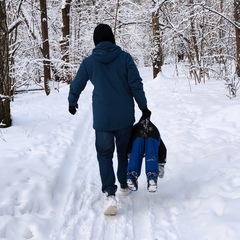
x=152, y=182
x=132, y=181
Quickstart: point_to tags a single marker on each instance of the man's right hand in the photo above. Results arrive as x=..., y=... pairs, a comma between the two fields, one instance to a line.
x=73, y=109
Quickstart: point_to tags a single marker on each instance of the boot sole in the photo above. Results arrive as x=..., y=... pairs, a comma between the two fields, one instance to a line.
x=110, y=211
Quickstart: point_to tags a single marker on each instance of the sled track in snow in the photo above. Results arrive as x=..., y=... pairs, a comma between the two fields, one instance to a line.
x=79, y=191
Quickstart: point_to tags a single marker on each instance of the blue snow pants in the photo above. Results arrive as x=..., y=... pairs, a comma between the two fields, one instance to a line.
x=142, y=146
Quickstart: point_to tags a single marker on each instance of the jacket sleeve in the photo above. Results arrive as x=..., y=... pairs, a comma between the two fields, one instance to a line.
x=135, y=83
x=78, y=84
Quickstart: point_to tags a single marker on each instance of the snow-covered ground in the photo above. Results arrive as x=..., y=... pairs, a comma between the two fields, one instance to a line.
x=50, y=185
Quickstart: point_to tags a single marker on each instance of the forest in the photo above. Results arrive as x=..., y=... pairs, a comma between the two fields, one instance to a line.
x=43, y=42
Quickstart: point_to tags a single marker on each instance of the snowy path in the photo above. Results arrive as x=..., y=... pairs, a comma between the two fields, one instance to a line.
x=50, y=184
x=82, y=206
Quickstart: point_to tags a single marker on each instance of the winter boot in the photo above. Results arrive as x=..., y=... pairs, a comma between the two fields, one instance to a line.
x=124, y=191
x=152, y=182
x=132, y=182
x=111, y=206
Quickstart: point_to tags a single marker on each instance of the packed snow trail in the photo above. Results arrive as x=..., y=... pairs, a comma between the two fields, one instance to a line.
x=50, y=183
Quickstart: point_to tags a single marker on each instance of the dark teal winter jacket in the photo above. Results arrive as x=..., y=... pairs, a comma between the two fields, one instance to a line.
x=116, y=82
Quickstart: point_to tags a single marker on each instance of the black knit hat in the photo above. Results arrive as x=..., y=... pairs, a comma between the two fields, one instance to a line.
x=103, y=32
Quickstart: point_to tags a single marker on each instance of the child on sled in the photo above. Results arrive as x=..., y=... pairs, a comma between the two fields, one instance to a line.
x=146, y=141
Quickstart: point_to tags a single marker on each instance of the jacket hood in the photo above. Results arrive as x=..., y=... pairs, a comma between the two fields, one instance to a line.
x=106, y=52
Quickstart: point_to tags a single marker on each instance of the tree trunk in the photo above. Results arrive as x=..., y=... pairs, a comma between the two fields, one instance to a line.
x=237, y=31
x=46, y=55
x=64, y=43
x=116, y=19
x=5, y=116
x=157, y=55
x=194, y=49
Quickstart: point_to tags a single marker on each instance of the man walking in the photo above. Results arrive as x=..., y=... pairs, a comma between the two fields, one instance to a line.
x=117, y=83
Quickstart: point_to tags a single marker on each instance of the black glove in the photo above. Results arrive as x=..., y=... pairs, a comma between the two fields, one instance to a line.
x=146, y=113
x=73, y=109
